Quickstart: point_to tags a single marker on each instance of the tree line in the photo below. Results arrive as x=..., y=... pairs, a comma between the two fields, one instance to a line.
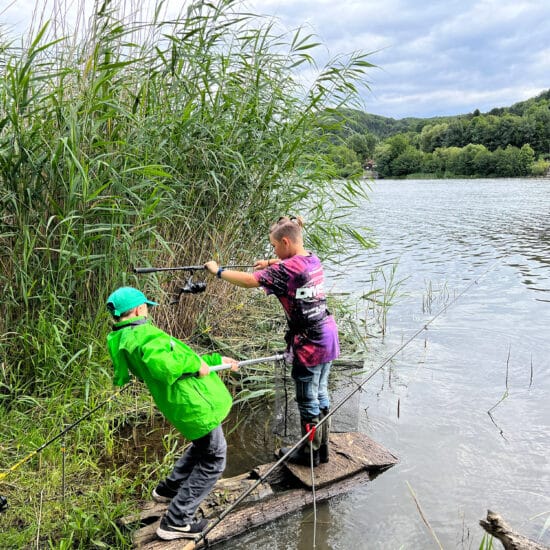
x=506, y=142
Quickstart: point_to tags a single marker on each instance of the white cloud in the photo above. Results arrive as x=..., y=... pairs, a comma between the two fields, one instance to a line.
x=434, y=56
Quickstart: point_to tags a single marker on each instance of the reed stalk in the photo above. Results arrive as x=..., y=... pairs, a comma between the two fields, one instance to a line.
x=134, y=138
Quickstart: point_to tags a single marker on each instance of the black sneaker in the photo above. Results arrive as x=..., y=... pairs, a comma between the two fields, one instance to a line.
x=162, y=494
x=166, y=531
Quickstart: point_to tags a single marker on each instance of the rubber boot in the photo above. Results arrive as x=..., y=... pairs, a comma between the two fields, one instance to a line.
x=325, y=434
x=302, y=455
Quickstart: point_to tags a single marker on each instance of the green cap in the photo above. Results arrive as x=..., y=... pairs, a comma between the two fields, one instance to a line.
x=124, y=299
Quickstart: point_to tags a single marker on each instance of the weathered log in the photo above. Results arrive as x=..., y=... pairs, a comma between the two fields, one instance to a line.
x=498, y=528
x=354, y=459
x=349, y=453
x=240, y=521
x=224, y=493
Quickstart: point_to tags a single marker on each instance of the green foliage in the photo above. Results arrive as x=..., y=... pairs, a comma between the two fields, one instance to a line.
x=346, y=161
x=486, y=542
x=504, y=142
x=152, y=142
x=142, y=142
x=540, y=168
x=362, y=144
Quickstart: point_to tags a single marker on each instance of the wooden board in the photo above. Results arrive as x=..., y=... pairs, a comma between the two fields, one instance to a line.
x=354, y=459
x=240, y=521
x=349, y=454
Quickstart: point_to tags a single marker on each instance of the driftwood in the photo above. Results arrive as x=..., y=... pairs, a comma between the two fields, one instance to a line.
x=496, y=526
x=243, y=520
x=225, y=492
x=354, y=459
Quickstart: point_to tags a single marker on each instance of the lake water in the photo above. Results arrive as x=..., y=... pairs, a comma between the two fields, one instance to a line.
x=481, y=249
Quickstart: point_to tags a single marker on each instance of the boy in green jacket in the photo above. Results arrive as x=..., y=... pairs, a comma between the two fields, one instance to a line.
x=193, y=399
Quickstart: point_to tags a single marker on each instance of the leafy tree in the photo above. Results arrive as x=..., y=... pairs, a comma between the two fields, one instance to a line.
x=346, y=161
x=526, y=159
x=507, y=161
x=363, y=145
x=431, y=165
x=383, y=157
x=455, y=135
x=467, y=165
x=484, y=162
x=538, y=116
x=408, y=162
x=540, y=168
x=432, y=137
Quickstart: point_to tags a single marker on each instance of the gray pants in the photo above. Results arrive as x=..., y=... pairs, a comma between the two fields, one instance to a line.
x=194, y=475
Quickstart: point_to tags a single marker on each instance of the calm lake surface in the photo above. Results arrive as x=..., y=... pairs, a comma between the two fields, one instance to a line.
x=481, y=248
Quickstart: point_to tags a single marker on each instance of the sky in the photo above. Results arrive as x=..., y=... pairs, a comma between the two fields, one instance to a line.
x=432, y=57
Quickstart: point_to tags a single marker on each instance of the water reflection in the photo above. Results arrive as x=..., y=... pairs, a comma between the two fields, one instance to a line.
x=434, y=222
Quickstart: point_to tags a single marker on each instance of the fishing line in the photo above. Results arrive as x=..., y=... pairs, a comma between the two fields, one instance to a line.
x=223, y=515
x=407, y=342
x=61, y=433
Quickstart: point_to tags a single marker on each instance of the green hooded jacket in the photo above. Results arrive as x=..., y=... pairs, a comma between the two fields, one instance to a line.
x=194, y=406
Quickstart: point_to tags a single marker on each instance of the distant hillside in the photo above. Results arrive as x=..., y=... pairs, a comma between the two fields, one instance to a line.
x=382, y=127
x=521, y=107
x=505, y=141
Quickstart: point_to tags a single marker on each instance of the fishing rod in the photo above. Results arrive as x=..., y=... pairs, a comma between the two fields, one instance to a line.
x=247, y=362
x=244, y=363
x=214, y=368
x=140, y=270
x=191, y=287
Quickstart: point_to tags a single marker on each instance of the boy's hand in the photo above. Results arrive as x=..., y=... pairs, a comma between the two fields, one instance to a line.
x=260, y=264
x=230, y=361
x=212, y=267
x=204, y=370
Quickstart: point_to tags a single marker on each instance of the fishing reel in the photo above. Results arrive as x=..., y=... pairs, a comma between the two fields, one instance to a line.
x=191, y=287
x=3, y=503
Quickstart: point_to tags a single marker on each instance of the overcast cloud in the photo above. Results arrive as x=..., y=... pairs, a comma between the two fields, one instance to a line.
x=442, y=57
x=434, y=57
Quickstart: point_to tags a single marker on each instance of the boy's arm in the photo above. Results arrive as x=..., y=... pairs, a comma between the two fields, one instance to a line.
x=207, y=361
x=167, y=359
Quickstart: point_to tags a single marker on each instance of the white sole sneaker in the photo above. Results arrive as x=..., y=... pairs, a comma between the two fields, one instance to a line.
x=173, y=532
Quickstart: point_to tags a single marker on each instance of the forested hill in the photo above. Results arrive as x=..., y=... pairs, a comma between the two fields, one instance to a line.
x=506, y=141
x=383, y=127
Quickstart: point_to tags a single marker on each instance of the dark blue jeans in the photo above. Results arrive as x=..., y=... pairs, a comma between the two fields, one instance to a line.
x=194, y=475
x=311, y=389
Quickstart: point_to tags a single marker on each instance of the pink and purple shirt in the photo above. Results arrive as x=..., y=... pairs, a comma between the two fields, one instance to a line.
x=298, y=284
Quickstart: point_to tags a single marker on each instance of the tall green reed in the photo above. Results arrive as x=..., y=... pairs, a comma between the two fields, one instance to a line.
x=150, y=142
x=139, y=139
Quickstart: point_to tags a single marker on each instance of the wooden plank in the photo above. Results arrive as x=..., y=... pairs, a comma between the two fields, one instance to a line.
x=354, y=459
x=238, y=522
x=349, y=454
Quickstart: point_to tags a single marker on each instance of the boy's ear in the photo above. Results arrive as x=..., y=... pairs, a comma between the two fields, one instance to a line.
x=130, y=313
x=285, y=241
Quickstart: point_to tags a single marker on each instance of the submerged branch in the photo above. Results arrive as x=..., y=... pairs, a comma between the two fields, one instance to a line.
x=496, y=526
